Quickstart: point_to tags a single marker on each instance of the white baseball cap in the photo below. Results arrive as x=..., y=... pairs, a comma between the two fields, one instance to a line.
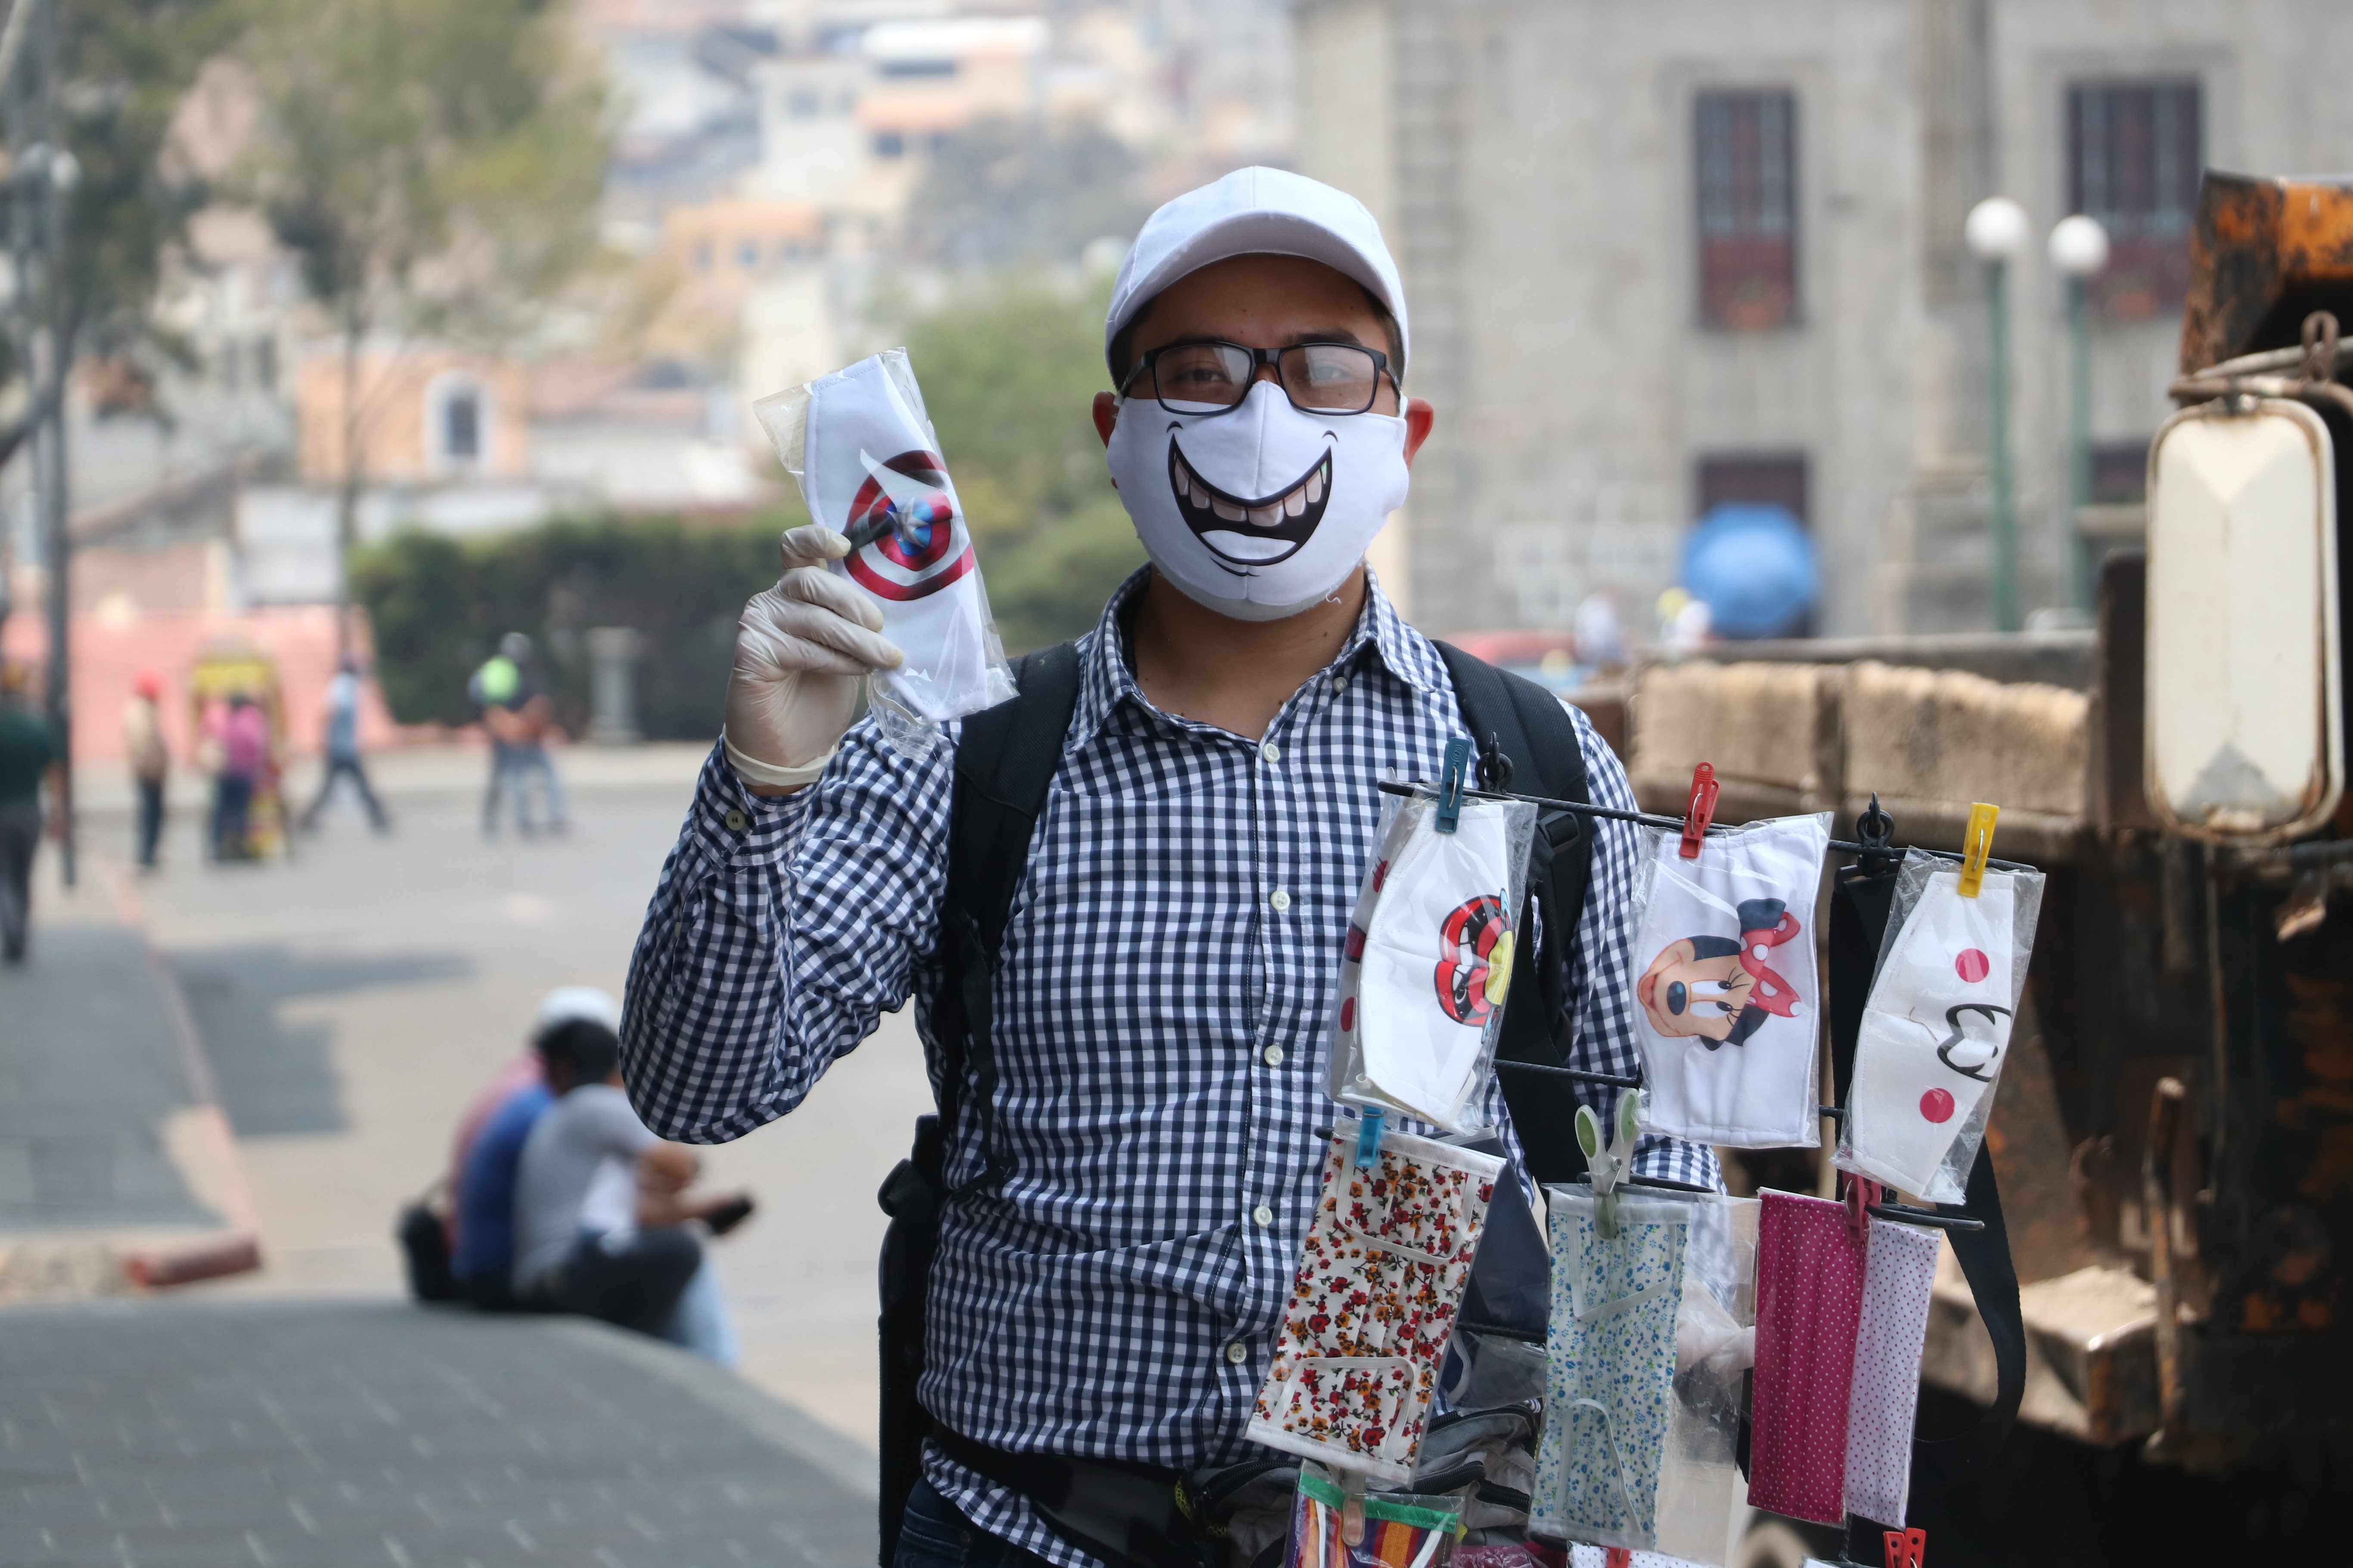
x=573, y=1004
x=1256, y=212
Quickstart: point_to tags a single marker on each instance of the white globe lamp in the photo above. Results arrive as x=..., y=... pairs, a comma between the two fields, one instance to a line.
x=2079, y=247
x=1997, y=230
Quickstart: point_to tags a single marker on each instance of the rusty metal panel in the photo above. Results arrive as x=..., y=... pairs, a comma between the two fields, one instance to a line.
x=2262, y=252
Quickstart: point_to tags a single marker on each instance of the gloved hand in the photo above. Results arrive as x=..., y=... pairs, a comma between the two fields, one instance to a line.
x=800, y=647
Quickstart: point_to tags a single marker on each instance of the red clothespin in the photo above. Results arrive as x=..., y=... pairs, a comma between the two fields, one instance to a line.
x=1907, y=1548
x=1618, y=1557
x=1701, y=809
x=1861, y=1194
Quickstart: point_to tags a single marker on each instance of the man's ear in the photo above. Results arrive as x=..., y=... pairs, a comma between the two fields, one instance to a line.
x=1418, y=419
x=1106, y=414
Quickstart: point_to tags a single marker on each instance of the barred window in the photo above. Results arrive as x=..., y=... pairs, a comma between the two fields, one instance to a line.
x=2134, y=153
x=1745, y=150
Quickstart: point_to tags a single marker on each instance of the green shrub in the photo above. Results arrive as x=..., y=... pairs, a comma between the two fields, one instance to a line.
x=439, y=605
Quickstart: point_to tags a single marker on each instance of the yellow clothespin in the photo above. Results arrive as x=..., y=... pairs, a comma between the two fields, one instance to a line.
x=1977, y=843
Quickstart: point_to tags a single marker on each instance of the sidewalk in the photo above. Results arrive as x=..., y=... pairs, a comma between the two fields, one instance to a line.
x=113, y=1153
x=324, y=1436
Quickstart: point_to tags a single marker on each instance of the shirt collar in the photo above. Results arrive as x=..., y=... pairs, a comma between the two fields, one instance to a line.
x=1106, y=677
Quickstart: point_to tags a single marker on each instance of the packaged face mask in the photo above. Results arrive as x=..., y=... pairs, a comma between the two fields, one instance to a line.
x=1936, y=1028
x=1428, y=959
x=1401, y=1529
x=1899, y=1275
x=1616, y=1297
x=1810, y=1269
x=1380, y=1279
x=1701, y=1500
x=1725, y=985
x=1259, y=511
x=864, y=452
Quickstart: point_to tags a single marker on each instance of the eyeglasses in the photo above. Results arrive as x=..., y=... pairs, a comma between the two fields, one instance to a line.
x=1214, y=377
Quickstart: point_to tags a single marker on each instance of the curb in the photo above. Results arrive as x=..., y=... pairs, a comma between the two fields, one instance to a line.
x=198, y=1140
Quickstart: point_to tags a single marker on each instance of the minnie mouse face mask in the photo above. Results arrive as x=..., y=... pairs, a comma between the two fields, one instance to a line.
x=1259, y=511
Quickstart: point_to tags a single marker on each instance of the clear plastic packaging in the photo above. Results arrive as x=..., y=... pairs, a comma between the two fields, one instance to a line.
x=864, y=453
x=1726, y=984
x=1400, y=1530
x=1418, y=1004
x=1381, y=1279
x=1936, y=1027
x=1653, y=1332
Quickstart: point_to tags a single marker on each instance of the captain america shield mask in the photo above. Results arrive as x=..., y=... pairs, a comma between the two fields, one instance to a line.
x=927, y=546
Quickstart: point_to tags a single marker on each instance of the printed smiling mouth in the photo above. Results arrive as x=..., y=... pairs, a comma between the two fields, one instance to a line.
x=1243, y=534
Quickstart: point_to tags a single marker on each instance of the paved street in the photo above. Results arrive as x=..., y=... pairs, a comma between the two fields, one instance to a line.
x=353, y=1001
x=191, y=1432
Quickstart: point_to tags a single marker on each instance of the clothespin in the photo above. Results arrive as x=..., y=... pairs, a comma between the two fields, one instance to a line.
x=1977, y=843
x=1609, y=1163
x=1907, y=1548
x=1369, y=1133
x=1449, y=785
x=1861, y=1195
x=1875, y=830
x=1494, y=765
x=1618, y=1557
x=1701, y=809
x=1352, y=1508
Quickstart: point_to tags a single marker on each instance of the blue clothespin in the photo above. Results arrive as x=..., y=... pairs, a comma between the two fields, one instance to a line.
x=1369, y=1133
x=1449, y=785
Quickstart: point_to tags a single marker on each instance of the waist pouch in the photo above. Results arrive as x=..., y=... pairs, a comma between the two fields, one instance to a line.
x=1141, y=1516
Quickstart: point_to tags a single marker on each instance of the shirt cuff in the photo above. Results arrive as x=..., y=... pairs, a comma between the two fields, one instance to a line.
x=732, y=826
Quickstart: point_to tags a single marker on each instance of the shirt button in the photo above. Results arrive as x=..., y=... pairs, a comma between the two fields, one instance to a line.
x=1271, y=752
x=1262, y=1216
x=1339, y=683
x=1274, y=1055
x=736, y=821
x=1237, y=1352
x=1281, y=900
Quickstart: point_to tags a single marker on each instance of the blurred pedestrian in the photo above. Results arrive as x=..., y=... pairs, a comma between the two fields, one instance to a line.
x=29, y=753
x=240, y=732
x=518, y=714
x=343, y=750
x=151, y=760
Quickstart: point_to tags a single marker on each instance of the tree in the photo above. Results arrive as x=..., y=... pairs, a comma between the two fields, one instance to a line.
x=434, y=166
x=1009, y=369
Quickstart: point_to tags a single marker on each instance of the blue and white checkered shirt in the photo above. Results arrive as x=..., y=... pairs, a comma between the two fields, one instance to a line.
x=1161, y=1019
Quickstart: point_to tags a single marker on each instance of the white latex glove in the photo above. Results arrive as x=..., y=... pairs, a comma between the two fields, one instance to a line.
x=800, y=647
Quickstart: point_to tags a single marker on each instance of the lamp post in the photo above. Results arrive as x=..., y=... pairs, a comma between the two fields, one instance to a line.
x=1998, y=235
x=2079, y=249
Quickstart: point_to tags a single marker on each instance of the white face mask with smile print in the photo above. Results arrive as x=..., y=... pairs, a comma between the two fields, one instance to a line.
x=1262, y=510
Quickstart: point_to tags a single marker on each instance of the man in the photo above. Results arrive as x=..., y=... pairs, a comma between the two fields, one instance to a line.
x=517, y=714
x=1160, y=1015
x=149, y=759
x=488, y=1157
x=343, y=749
x=29, y=755
x=601, y=1218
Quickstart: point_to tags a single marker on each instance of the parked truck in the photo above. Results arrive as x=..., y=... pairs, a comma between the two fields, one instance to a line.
x=2174, y=1129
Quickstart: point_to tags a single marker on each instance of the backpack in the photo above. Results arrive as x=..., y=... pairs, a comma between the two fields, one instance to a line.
x=1005, y=760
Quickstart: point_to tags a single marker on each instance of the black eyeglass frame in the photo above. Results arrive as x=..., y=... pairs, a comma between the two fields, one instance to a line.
x=1261, y=359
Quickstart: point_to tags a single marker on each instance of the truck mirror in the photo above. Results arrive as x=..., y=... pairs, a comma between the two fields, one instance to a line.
x=2244, y=742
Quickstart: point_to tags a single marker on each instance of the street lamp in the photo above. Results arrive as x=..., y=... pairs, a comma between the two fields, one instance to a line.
x=1998, y=235
x=2079, y=249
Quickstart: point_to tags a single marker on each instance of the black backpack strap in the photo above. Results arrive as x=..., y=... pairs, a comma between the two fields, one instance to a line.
x=1005, y=761
x=1536, y=737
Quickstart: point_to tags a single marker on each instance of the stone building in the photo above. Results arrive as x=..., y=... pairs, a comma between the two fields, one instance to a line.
x=1666, y=254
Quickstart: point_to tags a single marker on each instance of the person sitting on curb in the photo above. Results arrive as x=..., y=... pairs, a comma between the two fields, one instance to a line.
x=489, y=1156
x=603, y=1225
